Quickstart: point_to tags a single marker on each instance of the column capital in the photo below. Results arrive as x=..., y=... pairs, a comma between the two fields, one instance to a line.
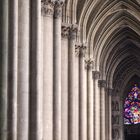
x=73, y=31
x=80, y=49
x=58, y=2
x=89, y=63
x=110, y=91
x=58, y=8
x=47, y=8
x=96, y=74
x=65, y=30
x=102, y=83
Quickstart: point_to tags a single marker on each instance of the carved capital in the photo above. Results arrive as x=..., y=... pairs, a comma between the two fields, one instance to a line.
x=89, y=64
x=58, y=8
x=77, y=48
x=73, y=31
x=96, y=75
x=65, y=30
x=102, y=83
x=47, y=8
x=110, y=91
x=80, y=49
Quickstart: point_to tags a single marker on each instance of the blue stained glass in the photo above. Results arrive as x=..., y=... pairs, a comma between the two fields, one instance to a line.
x=132, y=106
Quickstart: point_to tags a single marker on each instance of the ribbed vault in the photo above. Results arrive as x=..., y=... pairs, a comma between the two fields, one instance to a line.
x=65, y=66
x=112, y=32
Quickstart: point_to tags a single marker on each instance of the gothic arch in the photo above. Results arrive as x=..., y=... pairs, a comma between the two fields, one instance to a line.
x=66, y=62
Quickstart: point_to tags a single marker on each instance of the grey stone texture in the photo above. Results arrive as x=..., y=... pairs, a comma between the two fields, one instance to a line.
x=65, y=66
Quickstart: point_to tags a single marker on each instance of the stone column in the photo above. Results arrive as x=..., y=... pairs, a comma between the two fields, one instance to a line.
x=64, y=80
x=102, y=84
x=107, y=114
x=96, y=75
x=39, y=78
x=57, y=70
x=81, y=49
x=110, y=92
x=39, y=61
x=76, y=92
x=23, y=70
x=47, y=33
x=71, y=81
x=4, y=7
x=90, y=102
x=36, y=72
x=12, y=70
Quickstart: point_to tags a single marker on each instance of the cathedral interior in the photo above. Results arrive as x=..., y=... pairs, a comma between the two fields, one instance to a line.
x=70, y=70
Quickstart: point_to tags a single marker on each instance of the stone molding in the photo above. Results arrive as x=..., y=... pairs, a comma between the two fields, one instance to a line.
x=89, y=64
x=65, y=30
x=102, y=83
x=80, y=49
x=96, y=75
x=47, y=8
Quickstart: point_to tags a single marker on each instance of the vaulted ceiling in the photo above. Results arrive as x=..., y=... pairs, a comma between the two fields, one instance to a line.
x=111, y=28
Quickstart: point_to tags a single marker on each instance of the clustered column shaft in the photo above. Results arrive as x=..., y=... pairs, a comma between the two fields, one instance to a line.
x=110, y=92
x=71, y=81
x=102, y=85
x=81, y=51
x=52, y=13
x=47, y=42
x=90, y=99
x=97, y=127
x=4, y=5
x=64, y=80
x=52, y=93
x=16, y=43
x=23, y=71
x=12, y=72
x=57, y=70
x=36, y=72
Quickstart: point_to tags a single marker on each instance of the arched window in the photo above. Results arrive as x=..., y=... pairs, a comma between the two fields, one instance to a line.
x=132, y=106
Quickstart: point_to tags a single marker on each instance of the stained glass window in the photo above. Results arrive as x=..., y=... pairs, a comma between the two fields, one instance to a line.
x=132, y=106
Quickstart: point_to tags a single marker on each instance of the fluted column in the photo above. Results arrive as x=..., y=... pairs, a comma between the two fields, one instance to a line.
x=90, y=102
x=57, y=70
x=102, y=84
x=71, y=81
x=81, y=50
x=96, y=90
x=12, y=72
x=4, y=6
x=23, y=70
x=47, y=33
x=64, y=81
